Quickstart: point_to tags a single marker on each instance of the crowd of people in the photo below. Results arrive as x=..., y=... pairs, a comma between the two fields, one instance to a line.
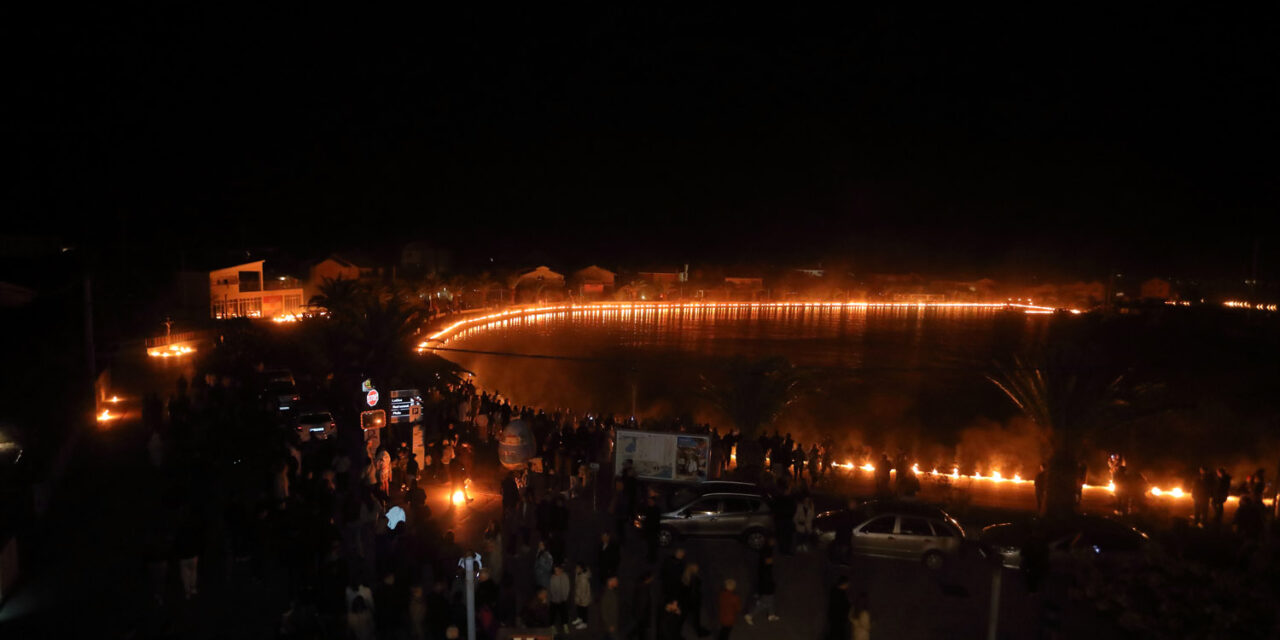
x=346, y=526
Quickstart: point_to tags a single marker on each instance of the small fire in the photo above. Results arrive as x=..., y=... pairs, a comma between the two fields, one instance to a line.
x=459, y=498
x=114, y=400
x=868, y=467
x=170, y=351
x=106, y=416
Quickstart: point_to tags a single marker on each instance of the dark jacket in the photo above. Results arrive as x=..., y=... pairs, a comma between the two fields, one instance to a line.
x=608, y=559
x=642, y=605
x=672, y=572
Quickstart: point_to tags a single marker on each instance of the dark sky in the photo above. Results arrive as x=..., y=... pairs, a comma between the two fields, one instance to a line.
x=1071, y=141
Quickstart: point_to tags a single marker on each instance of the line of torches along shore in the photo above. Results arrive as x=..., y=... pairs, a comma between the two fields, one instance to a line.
x=444, y=334
x=996, y=478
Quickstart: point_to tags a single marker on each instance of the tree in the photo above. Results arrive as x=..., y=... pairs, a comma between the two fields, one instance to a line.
x=341, y=298
x=1065, y=388
x=753, y=394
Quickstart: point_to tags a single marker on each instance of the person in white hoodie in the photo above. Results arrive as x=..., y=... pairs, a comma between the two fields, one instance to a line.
x=582, y=595
x=558, y=591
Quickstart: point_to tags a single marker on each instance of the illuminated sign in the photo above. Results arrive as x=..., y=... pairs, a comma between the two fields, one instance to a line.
x=406, y=406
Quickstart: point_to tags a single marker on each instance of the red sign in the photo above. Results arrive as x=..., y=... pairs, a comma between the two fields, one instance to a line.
x=372, y=397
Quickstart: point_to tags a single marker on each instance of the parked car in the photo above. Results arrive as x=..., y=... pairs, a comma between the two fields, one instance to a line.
x=685, y=494
x=1102, y=538
x=904, y=530
x=745, y=516
x=316, y=424
x=281, y=395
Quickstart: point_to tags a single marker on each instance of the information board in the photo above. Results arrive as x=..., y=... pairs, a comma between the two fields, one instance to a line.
x=675, y=457
x=406, y=406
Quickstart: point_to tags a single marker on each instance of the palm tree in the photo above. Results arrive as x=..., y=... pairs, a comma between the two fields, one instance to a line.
x=753, y=394
x=1064, y=388
x=341, y=298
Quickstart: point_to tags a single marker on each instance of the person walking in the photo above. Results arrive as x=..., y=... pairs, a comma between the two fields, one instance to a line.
x=558, y=592
x=838, y=610
x=609, y=608
x=766, y=588
x=582, y=595
x=642, y=608
x=730, y=606
x=860, y=617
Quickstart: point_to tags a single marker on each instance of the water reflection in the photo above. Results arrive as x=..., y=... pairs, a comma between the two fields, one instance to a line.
x=894, y=375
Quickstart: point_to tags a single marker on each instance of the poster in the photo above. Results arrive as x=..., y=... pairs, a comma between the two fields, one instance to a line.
x=674, y=457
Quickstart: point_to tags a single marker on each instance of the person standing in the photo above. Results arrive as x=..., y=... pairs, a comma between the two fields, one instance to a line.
x=804, y=523
x=838, y=610
x=642, y=608
x=609, y=557
x=188, y=545
x=730, y=606
x=691, y=598
x=1201, y=491
x=672, y=622
x=543, y=564
x=765, y=591
x=652, y=518
x=672, y=575
x=1042, y=486
x=1221, y=489
x=582, y=595
x=860, y=618
x=558, y=592
x=609, y=608
x=360, y=625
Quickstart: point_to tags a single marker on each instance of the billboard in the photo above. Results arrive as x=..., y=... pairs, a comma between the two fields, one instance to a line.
x=674, y=457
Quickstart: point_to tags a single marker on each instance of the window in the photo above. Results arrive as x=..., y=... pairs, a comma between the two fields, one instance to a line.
x=737, y=505
x=942, y=530
x=705, y=507
x=883, y=524
x=914, y=527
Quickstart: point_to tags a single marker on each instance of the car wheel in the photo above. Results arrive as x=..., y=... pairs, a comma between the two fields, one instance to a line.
x=933, y=560
x=755, y=540
x=666, y=537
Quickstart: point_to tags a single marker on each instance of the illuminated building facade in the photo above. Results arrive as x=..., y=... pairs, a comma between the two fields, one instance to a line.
x=243, y=291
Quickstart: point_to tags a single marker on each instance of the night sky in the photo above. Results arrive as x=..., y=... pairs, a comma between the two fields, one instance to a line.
x=1070, y=142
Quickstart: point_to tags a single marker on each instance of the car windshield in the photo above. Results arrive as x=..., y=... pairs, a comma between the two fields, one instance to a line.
x=281, y=386
x=314, y=417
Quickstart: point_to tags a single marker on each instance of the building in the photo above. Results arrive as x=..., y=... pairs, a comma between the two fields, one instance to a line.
x=330, y=268
x=245, y=291
x=593, y=282
x=538, y=285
